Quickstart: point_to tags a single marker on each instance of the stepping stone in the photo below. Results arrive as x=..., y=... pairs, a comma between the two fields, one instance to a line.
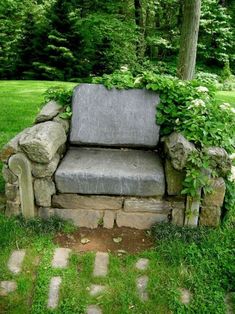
x=230, y=308
x=7, y=287
x=60, y=258
x=54, y=288
x=101, y=264
x=142, y=264
x=141, y=284
x=96, y=290
x=185, y=296
x=15, y=261
x=93, y=309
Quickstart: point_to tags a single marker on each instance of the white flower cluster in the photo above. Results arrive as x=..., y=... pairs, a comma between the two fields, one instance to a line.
x=202, y=89
x=197, y=103
x=124, y=68
x=227, y=106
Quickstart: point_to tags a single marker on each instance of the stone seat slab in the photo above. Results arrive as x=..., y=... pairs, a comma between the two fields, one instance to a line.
x=111, y=172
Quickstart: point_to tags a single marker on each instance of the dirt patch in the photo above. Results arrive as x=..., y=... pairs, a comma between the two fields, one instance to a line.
x=103, y=240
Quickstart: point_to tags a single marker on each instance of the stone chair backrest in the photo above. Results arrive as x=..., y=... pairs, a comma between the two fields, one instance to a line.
x=114, y=118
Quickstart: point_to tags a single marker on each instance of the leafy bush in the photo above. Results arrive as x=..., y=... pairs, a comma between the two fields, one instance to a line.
x=60, y=94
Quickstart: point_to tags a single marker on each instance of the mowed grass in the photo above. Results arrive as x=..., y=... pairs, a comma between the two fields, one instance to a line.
x=226, y=96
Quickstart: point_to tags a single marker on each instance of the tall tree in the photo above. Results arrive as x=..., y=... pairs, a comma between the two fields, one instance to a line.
x=189, y=38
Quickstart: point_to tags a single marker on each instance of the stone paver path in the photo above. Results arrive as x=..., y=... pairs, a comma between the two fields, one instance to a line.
x=6, y=287
x=60, y=258
x=96, y=290
x=230, y=308
x=101, y=264
x=54, y=289
x=15, y=261
x=93, y=309
x=142, y=264
x=185, y=296
x=141, y=284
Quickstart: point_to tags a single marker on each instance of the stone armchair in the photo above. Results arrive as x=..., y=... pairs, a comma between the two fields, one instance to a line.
x=104, y=167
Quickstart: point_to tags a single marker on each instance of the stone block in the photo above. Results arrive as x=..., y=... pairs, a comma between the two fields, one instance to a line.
x=74, y=201
x=8, y=175
x=178, y=216
x=64, y=122
x=174, y=179
x=114, y=117
x=42, y=141
x=54, y=288
x=79, y=217
x=216, y=197
x=192, y=210
x=219, y=160
x=7, y=287
x=178, y=149
x=111, y=172
x=43, y=190
x=141, y=284
x=12, y=147
x=45, y=170
x=49, y=111
x=109, y=218
x=139, y=220
x=134, y=204
x=12, y=192
x=60, y=258
x=101, y=264
x=16, y=261
x=210, y=216
x=12, y=208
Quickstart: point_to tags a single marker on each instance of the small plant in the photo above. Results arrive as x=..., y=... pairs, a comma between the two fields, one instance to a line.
x=60, y=94
x=226, y=72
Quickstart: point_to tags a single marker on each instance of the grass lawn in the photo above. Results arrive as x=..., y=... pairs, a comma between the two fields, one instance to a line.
x=202, y=262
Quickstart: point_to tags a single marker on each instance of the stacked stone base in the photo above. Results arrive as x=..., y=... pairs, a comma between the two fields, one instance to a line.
x=108, y=211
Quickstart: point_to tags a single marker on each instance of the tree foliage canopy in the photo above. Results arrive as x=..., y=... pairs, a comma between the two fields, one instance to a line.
x=71, y=39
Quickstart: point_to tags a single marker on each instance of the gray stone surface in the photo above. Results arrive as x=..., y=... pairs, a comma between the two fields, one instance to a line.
x=174, y=179
x=139, y=220
x=96, y=290
x=93, y=309
x=8, y=175
x=185, y=296
x=15, y=261
x=79, y=217
x=49, y=111
x=60, y=258
x=109, y=218
x=216, y=197
x=219, y=160
x=21, y=167
x=210, y=216
x=86, y=202
x=12, y=192
x=64, y=122
x=43, y=190
x=12, y=147
x=45, y=170
x=111, y=171
x=137, y=204
x=178, y=148
x=141, y=284
x=7, y=287
x=142, y=264
x=114, y=117
x=178, y=216
x=42, y=141
x=54, y=288
x=192, y=210
x=101, y=264
x=12, y=208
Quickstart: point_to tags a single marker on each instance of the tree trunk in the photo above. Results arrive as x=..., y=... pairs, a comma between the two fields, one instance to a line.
x=140, y=23
x=188, y=40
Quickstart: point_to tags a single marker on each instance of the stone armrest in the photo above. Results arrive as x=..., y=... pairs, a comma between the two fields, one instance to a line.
x=30, y=160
